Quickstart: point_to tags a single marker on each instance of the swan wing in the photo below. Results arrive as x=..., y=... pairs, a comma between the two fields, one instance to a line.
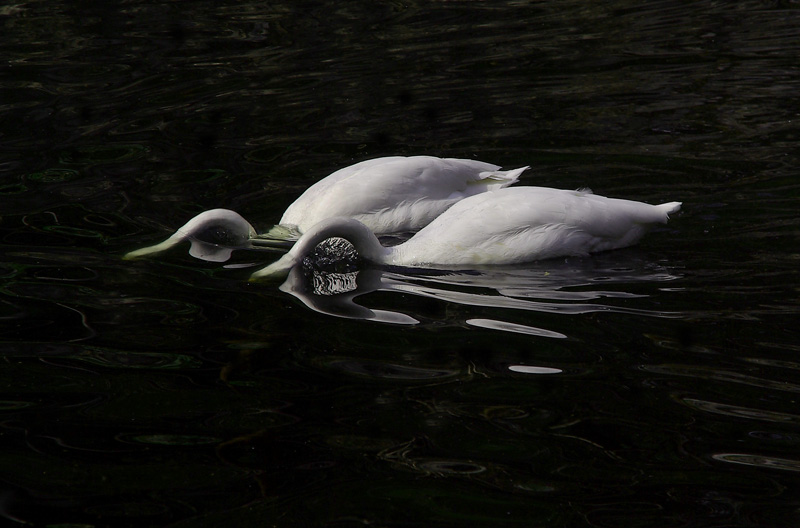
x=396, y=193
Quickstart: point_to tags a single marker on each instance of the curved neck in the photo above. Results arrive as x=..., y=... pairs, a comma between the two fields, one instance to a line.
x=366, y=243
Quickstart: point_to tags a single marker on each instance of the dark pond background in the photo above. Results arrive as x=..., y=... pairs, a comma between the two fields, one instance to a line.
x=652, y=386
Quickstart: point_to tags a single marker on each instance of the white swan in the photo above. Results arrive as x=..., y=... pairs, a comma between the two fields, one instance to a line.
x=395, y=194
x=388, y=195
x=504, y=226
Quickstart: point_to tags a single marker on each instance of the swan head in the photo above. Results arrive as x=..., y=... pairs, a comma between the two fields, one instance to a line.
x=213, y=236
x=359, y=235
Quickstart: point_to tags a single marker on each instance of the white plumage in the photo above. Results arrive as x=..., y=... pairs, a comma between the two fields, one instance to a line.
x=395, y=194
x=503, y=226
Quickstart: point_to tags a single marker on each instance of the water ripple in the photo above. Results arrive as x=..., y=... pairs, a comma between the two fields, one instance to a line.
x=134, y=360
x=514, y=328
x=739, y=411
x=568, y=289
x=720, y=374
x=530, y=369
x=384, y=370
x=761, y=461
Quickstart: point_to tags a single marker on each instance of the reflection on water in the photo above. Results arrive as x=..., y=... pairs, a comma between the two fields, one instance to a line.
x=759, y=461
x=571, y=283
x=333, y=294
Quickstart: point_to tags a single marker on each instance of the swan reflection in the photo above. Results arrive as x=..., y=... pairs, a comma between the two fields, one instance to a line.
x=568, y=288
x=334, y=293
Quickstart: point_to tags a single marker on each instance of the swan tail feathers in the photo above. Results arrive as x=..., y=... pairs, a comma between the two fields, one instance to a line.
x=499, y=179
x=669, y=208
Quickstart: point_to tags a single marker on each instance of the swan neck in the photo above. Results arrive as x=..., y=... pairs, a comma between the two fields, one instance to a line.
x=366, y=243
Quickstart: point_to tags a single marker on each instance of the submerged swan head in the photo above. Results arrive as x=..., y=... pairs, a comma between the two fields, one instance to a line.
x=213, y=236
x=365, y=242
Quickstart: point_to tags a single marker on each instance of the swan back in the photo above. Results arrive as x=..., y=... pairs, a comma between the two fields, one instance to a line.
x=503, y=226
x=523, y=224
x=395, y=194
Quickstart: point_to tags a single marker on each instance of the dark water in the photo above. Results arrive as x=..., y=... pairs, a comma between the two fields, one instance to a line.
x=652, y=386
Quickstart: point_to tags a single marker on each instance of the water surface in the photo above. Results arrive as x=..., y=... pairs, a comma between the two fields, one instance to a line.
x=652, y=386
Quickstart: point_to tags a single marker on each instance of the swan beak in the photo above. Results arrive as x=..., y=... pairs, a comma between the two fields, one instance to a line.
x=277, y=270
x=163, y=246
x=198, y=249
